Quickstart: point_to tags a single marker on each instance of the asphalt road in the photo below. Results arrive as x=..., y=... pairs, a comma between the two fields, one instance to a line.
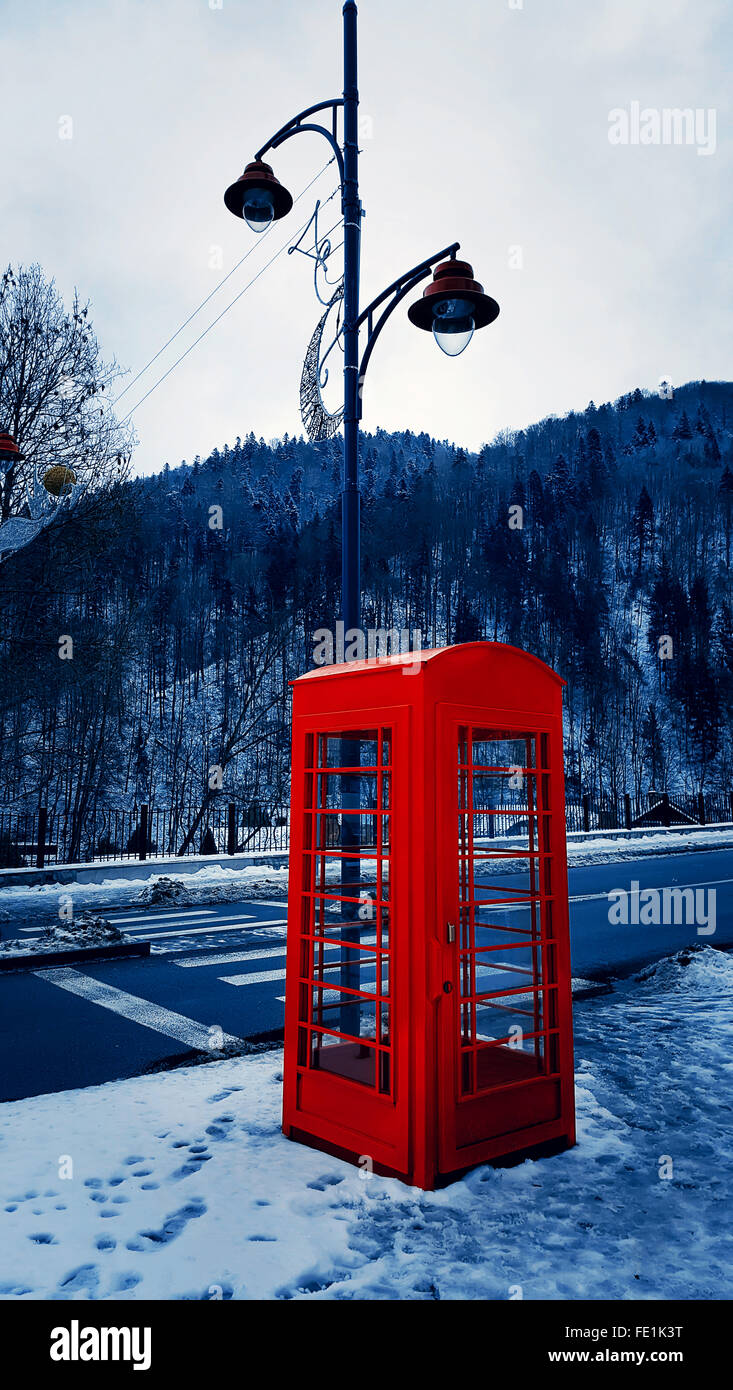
x=217, y=975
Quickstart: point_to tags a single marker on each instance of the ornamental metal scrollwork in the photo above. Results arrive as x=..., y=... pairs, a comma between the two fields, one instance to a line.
x=319, y=422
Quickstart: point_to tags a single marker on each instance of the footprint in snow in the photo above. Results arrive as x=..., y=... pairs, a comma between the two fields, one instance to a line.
x=83, y=1277
x=105, y=1243
x=134, y=1158
x=329, y=1180
x=126, y=1281
x=185, y=1171
x=219, y=1129
x=43, y=1238
x=174, y=1224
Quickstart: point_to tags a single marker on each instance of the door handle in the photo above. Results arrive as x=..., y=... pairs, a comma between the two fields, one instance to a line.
x=450, y=932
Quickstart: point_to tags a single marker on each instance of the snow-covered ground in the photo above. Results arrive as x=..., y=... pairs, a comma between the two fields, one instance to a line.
x=215, y=883
x=184, y=1187
x=611, y=846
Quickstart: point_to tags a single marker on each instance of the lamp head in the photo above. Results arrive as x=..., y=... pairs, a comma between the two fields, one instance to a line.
x=258, y=197
x=453, y=306
x=9, y=452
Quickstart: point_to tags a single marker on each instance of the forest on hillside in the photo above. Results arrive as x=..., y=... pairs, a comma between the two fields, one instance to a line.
x=187, y=621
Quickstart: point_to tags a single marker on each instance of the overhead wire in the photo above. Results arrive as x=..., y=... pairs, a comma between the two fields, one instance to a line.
x=229, y=306
x=210, y=296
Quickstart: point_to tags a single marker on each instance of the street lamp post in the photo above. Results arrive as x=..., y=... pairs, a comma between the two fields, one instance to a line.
x=452, y=307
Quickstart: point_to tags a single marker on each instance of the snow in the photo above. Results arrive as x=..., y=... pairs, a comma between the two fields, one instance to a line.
x=86, y=931
x=605, y=847
x=184, y=1187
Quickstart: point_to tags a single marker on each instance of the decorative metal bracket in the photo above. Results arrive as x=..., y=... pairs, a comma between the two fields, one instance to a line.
x=394, y=293
x=301, y=123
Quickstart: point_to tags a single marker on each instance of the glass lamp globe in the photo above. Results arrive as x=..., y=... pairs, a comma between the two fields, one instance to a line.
x=453, y=325
x=258, y=209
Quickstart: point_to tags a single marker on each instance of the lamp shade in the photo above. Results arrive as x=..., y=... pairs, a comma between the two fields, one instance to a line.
x=9, y=451
x=451, y=300
x=259, y=191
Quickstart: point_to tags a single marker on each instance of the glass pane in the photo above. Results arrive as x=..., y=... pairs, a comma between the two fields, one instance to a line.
x=334, y=1009
x=352, y=748
x=365, y=879
x=504, y=877
x=506, y=969
x=496, y=749
x=346, y=869
x=352, y=1060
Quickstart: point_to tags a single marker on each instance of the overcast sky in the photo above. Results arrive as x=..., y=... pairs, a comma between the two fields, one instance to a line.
x=485, y=122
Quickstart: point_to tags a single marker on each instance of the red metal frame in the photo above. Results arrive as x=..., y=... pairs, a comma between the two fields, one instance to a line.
x=428, y=1016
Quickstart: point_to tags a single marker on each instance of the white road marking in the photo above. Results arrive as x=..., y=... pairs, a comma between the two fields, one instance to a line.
x=191, y=962
x=261, y=978
x=229, y=956
x=170, y=916
x=211, y=930
x=153, y=1016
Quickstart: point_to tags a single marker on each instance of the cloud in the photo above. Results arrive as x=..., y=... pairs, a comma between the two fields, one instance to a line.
x=491, y=129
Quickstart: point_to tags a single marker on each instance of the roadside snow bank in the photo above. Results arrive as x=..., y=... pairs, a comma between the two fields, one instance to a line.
x=184, y=1187
x=86, y=931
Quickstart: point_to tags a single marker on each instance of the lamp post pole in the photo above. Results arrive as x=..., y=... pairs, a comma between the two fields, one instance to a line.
x=350, y=498
x=350, y=519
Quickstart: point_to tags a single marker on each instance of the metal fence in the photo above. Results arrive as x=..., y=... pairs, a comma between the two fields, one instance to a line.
x=38, y=838
x=44, y=837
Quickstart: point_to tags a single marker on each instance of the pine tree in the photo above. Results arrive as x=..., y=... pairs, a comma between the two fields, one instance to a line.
x=642, y=525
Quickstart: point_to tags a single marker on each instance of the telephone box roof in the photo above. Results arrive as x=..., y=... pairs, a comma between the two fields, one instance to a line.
x=422, y=657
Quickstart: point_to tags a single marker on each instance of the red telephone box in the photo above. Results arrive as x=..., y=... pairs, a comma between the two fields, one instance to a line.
x=428, y=1021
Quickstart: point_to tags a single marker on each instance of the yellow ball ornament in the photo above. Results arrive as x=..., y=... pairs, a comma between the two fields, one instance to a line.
x=58, y=480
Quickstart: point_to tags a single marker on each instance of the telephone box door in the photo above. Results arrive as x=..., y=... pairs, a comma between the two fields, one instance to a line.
x=504, y=1018
x=348, y=966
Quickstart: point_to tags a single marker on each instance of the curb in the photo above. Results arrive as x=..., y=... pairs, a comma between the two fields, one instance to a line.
x=80, y=953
